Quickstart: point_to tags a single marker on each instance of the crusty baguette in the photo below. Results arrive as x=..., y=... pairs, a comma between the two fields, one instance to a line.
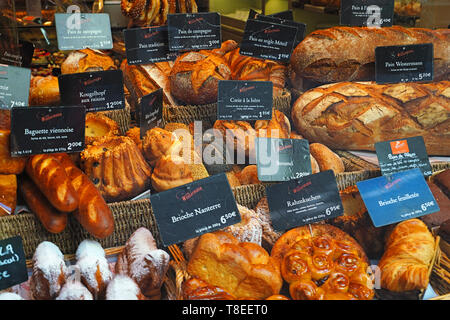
x=355, y=115
x=51, y=178
x=93, y=213
x=52, y=220
x=348, y=53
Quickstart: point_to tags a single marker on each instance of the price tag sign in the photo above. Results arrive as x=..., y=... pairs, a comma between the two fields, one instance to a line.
x=13, y=266
x=397, y=197
x=77, y=31
x=39, y=130
x=301, y=27
x=409, y=63
x=151, y=111
x=367, y=13
x=14, y=86
x=194, y=31
x=303, y=201
x=97, y=91
x=403, y=154
x=193, y=209
x=282, y=159
x=267, y=40
x=245, y=100
x=285, y=15
x=147, y=45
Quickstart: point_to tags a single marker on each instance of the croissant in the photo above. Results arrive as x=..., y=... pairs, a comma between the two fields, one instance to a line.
x=409, y=251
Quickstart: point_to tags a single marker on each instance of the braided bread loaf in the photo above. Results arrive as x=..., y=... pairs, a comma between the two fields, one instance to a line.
x=348, y=54
x=355, y=115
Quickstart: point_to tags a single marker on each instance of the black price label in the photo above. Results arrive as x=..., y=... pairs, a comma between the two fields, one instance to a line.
x=403, y=154
x=301, y=27
x=267, y=40
x=282, y=159
x=303, y=201
x=367, y=13
x=97, y=91
x=408, y=63
x=196, y=208
x=245, y=100
x=194, y=31
x=151, y=111
x=14, y=86
x=13, y=267
x=39, y=130
x=147, y=45
x=77, y=31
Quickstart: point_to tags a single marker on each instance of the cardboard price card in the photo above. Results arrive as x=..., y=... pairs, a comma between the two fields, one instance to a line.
x=97, y=91
x=40, y=130
x=397, y=197
x=13, y=267
x=193, y=209
x=244, y=100
x=194, y=31
x=403, y=154
x=147, y=45
x=268, y=40
x=303, y=201
x=367, y=13
x=282, y=159
x=408, y=63
x=14, y=86
x=77, y=31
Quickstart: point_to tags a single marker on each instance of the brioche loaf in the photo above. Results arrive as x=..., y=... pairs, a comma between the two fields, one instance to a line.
x=348, y=53
x=355, y=115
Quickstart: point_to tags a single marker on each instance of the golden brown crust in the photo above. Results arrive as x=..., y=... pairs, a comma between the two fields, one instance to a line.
x=326, y=158
x=86, y=60
x=9, y=165
x=170, y=172
x=409, y=251
x=197, y=289
x=348, y=53
x=242, y=134
x=44, y=91
x=244, y=269
x=157, y=143
x=248, y=175
x=195, y=76
x=116, y=167
x=356, y=115
x=135, y=135
x=98, y=126
x=278, y=127
x=8, y=194
x=233, y=180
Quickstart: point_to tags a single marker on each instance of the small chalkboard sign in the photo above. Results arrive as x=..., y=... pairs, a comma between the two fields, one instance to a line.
x=13, y=267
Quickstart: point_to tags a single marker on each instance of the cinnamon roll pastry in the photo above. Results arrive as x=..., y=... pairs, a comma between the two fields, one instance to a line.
x=305, y=290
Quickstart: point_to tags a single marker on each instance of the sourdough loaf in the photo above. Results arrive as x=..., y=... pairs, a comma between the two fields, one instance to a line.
x=355, y=115
x=348, y=53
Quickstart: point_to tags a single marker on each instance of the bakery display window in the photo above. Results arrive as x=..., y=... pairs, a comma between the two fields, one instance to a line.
x=297, y=150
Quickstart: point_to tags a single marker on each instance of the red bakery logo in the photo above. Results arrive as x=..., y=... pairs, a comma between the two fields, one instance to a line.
x=281, y=148
x=301, y=187
x=152, y=101
x=245, y=89
x=50, y=117
x=404, y=53
x=188, y=195
x=151, y=34
x=195, y=20
x=399, y=147
x=271, y=30
x=91, y=81
x=391, y=184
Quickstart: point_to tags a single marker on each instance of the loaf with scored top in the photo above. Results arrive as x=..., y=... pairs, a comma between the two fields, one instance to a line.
x=348, y=53
x=355, y=115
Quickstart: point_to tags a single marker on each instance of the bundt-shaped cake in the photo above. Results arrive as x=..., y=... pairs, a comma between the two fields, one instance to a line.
x=116, y=167
x=99, y=126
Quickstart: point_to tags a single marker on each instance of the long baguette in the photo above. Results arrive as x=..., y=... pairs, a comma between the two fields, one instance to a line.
x=93, y=213
x=355, y=115
x=52, y=220
x=348, y=53
x=50, y=177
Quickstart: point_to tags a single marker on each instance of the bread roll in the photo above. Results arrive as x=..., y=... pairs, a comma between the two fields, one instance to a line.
x=356, y=115
x=87, y=60
x=44, y=91
x=326, y=159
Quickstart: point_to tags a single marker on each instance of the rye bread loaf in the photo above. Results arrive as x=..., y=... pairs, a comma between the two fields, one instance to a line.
x=348, y=53
x=355, y=115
